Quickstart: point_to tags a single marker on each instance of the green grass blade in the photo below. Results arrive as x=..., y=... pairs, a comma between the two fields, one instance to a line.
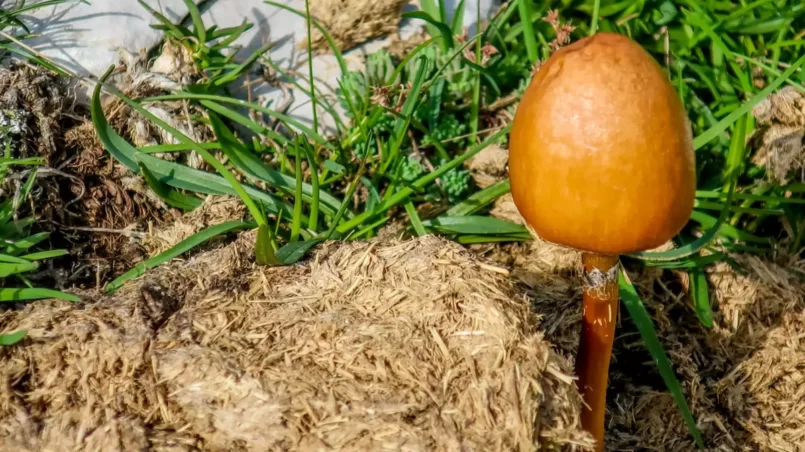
x=253, y=166
x=244, y=121
x=15, y=228
x=293, y=252
x=167, y=148
x=333, y=230
x=726, y=229
x=419, y=228
x=296, y=220
x=241, y=157
x=430, y=8
x=164, y=21
x=230, y=33
x=173, y=29
x=709, y=194
x=12, y=338
x=198, y=24
x=10, y=20
x=480, y=199
x=596, y=12
x=209, y=158
x=471, y=239
x=420, y=183
x=7, y=270
x=442, y=11
x=443, y=29
x=314, y=185
x=410, y=56
x=644, y=324
x=698, y=20
x=476, y=225
x=688, y=263
x=423, y=67
x=176, y=251
x=706, y=205
x=13, y=259
x=475, y=105
x=29, y=185
x=185, y=178
x=6, y=162
x=233, y=75
x=746, y=107
x=35, y=58
x=264, y=250
x=241, y=103
x=173, y=198
x=458, y=18
x=524, y=7
x=313, y=98
x=42, y=255
x=14, y=295
x=327, y=36
x=43, y=4
x=18, y=246
x=459, y=51
x=701, y=297
x=321, y=97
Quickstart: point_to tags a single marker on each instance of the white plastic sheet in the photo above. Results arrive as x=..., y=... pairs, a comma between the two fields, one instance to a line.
x=85, y=37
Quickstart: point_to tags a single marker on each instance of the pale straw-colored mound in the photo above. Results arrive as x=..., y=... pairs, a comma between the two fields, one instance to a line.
x=352, y=22
x=382, y=345
x=777, y=143
x=214, y=210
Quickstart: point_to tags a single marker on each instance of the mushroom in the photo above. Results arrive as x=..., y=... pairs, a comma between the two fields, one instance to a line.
x=601, y=160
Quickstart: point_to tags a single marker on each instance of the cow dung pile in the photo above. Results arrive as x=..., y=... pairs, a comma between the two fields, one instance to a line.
x=378, y=345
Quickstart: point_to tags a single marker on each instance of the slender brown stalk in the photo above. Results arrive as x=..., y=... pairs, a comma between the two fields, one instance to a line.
x=597, y=336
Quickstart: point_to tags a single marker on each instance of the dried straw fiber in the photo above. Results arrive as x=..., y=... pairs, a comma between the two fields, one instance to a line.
x=381, y=345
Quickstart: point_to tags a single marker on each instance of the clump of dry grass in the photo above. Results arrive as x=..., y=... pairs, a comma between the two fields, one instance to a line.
x=488, y=166
x=352, y=22
x=79, y=189
x=778, y=141
x=380, y=345
x=214, y=210
x=172, y=70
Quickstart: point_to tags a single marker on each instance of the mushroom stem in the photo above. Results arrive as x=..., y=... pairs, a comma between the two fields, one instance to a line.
x=597, y=336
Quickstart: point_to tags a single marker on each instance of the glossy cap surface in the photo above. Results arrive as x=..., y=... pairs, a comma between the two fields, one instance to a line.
x=601, y=156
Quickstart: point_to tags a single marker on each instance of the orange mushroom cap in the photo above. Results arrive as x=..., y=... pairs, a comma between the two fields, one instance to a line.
x=601, y=156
